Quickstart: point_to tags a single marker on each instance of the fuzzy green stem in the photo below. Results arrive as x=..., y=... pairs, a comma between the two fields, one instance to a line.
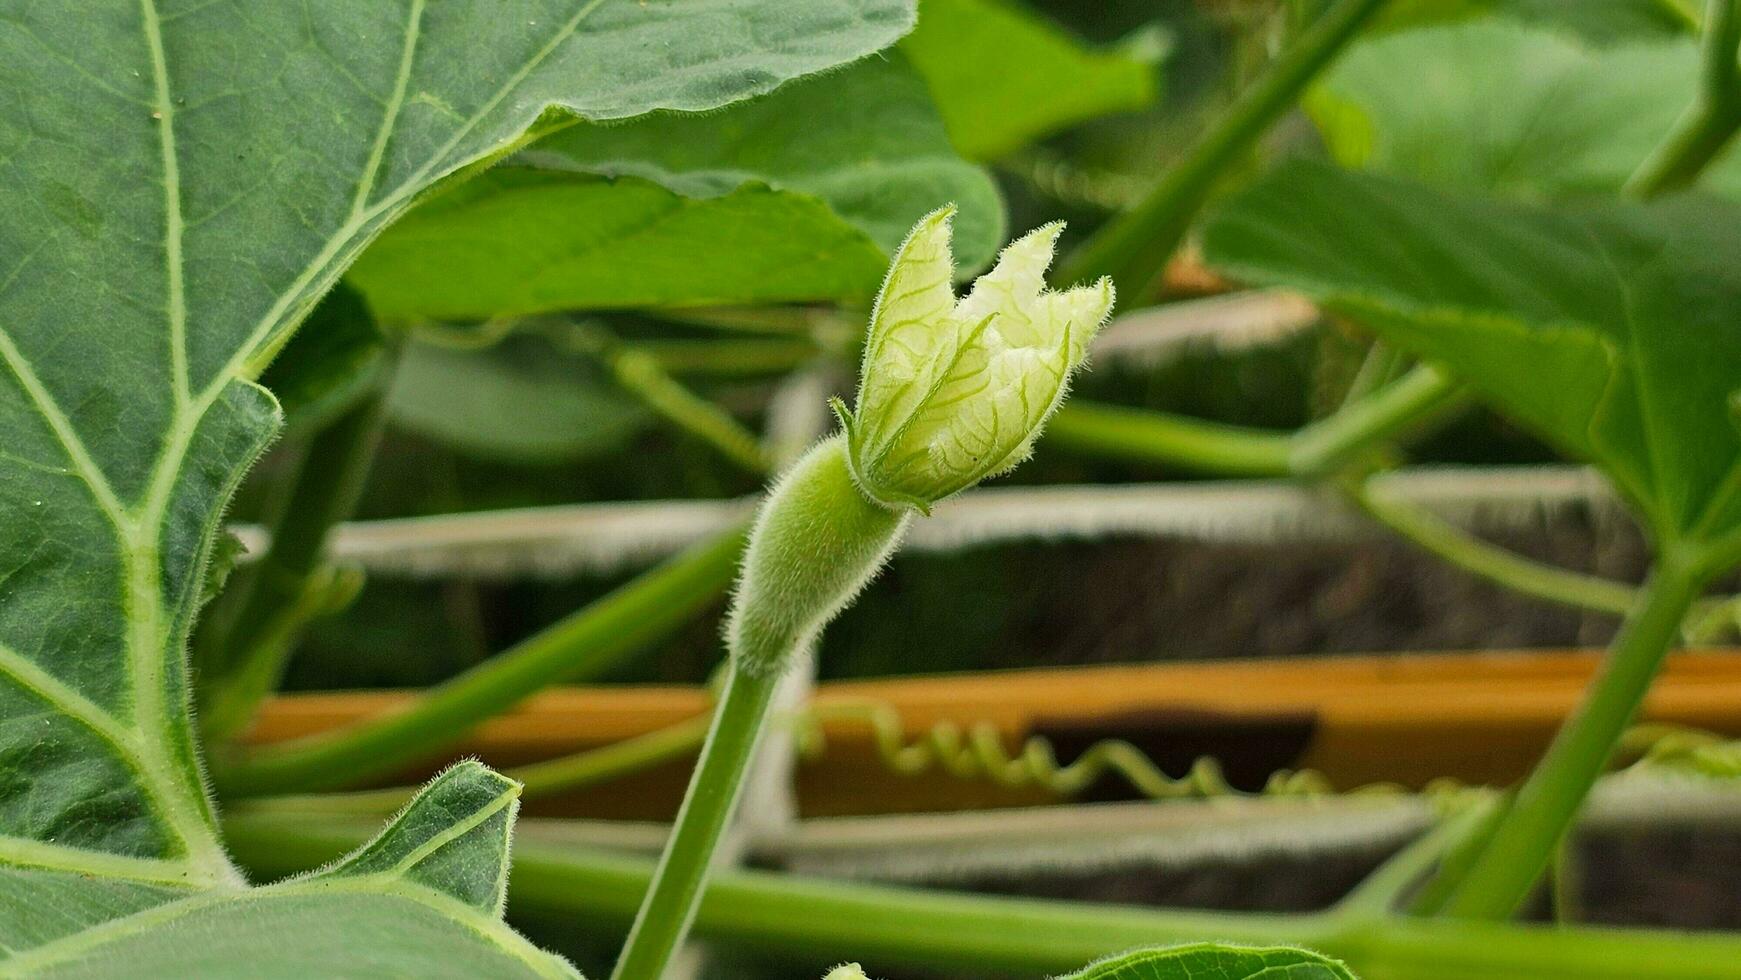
x=586, y=644
x=1134, y=248
x=670, y=905
x=825, y=919
x=817, y=541
x=242, y=655
x=1710, y=123
x=1512, y=860
x=1213, y=447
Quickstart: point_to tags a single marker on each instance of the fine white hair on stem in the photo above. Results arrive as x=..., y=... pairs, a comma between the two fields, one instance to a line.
x=610, y=538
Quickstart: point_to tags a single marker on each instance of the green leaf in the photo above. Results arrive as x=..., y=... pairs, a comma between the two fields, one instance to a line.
x=1611, y=21
x=1593, y=21
x=1496, y=105
x=1004, y=77
x=422, y=899
x=1215, y=961
x=797, y=196
x=1612, y=331
x=181, y=182
x=333, y=361
x=520, y=401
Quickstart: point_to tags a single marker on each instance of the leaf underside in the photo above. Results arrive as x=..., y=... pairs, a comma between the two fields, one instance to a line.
x=1214, y=961
x=182, y=181
x=966, y=50
x=422, y=899
x=799, y=195
x=1498, y=105
x=1612, y=331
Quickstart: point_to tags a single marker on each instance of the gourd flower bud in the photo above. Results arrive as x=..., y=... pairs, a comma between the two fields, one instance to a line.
x=952, y=392
x=955, y=391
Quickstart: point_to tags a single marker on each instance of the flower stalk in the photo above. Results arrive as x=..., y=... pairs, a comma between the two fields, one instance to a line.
x=951, y=392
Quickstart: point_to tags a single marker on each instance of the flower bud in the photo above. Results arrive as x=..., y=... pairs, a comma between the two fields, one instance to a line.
x=952, y=392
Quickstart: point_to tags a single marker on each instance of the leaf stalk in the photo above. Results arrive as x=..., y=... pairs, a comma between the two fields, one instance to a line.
x=1135, y=247
x=1704, y=131
x=585, y=644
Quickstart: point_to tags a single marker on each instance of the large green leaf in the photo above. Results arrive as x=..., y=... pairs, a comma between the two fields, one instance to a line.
x=1499, y=105
x=1004, y=77
x=422, y=899
x=799, y=195
x=1614, y=331
x=181, y=181
x=1216, y=961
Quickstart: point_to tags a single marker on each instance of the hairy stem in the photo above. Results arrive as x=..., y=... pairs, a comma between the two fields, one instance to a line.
x=1134, y=248
x=817, y=541
x=826, y=918
x=1511, y=861
x=1710, y=123
x=1382, y=891
x=585, y=644
x=1146, y=436
x=670, y=904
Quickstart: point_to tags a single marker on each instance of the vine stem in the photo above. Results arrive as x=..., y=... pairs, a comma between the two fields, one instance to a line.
x=1147, y=436
x=670, y=905
x=821, y=918
x=1135, y=247
x=641, y=375
x=1316, y=449
x=1712, y=120
x=538, y=779
x=1421, y=527
x=585, y=644
x=1508, y=865
x=1381, y=892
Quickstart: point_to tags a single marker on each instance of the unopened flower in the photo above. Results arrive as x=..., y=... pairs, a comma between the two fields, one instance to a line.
x=955, y=391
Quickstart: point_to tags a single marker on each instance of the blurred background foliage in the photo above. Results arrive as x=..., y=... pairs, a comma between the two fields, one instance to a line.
x=738, y=248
